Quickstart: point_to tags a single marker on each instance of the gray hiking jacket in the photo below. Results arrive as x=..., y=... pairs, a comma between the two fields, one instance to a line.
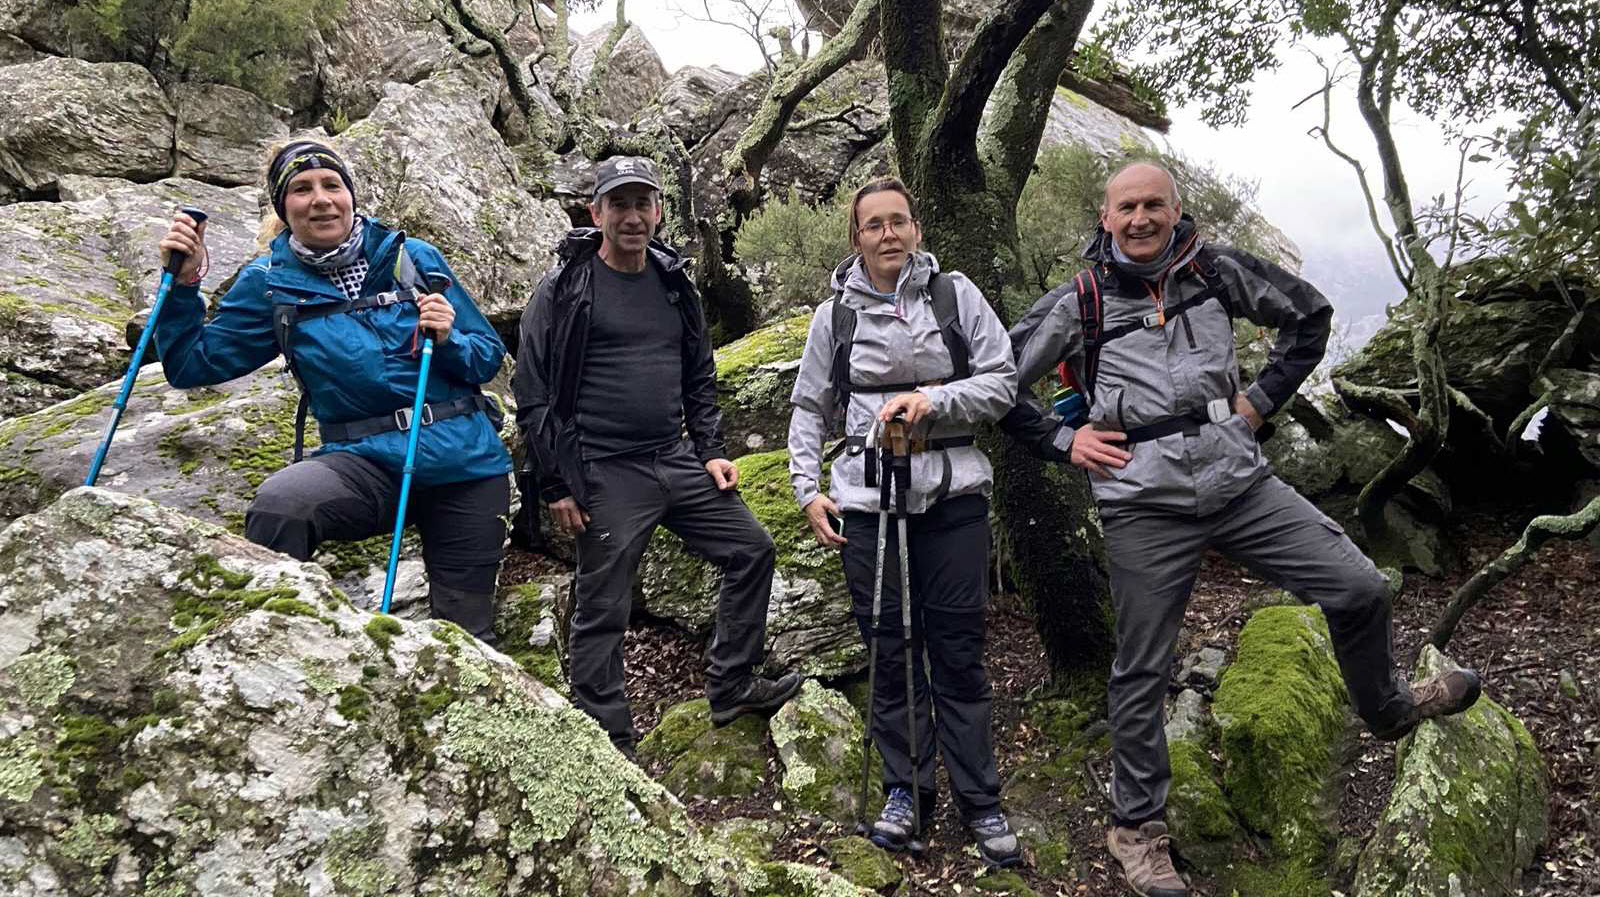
x=899, y=342
x=1158, y=372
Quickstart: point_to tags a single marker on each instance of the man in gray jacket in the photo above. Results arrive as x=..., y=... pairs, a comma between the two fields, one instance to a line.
x=1175, y=468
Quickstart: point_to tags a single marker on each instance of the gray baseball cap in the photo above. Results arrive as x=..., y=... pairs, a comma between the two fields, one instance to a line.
x=619, y=170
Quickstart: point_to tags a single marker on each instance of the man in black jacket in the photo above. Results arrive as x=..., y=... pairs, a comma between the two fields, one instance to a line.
x=614, y=364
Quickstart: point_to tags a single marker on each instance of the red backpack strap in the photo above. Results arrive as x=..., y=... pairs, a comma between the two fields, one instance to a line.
x=1091, y=312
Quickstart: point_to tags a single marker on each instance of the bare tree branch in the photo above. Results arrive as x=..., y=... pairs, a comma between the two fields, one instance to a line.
x=1539, y=530
x=745, y=161
x=841, y=117
x=989, y=54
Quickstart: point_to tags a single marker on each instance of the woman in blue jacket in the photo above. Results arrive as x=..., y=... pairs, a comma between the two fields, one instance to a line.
x=345, y=299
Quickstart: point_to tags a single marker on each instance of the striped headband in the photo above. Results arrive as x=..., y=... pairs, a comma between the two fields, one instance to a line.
x=301, y=156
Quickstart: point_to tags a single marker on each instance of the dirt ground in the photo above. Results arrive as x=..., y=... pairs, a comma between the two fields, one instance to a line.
x=1530, y=633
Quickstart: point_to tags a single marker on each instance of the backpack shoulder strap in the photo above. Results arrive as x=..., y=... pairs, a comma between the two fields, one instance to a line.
x=1091, y=312
x=946, y=309
x=844, y=337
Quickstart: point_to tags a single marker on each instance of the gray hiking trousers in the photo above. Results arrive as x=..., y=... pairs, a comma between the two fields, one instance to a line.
x=629, y=495
x=1274, y=531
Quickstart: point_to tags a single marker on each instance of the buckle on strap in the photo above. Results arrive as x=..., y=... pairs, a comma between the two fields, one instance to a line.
x=402, y=417
x=1219, y=410
x=1152, y=319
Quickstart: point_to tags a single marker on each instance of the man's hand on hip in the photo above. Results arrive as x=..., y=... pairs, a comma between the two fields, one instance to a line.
x=723, y=473
x=1095, y=450
x=568, y=515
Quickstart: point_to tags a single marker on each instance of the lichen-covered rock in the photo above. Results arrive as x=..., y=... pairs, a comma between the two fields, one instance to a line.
x=1282, y=711
x=525, y=622
x=1575, y=409
x=633, y=75
x=66, y=116
x=754, y=839
x=799, y=880
x=865, y=864
x=1491, y=351
x=184, y=712
x=701, y=760
x=201, y=451
x=72, y=273
x=755, y=375
x=818, y=735
x=223, y=133
x=1469, y=808
x=809, y=625
x=429, y=161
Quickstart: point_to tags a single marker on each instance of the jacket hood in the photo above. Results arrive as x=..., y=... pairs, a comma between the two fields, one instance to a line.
x=1185, y=240
x=582, y=242
x=850, y=276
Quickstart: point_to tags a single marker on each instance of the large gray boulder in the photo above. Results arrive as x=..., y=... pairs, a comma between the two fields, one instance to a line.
x=633, y=75
x=73, y=273
x=1575, y=409
x=1469, y=807
x=181, y=710
x=809, y=624
x=65, y=116
x=223, y=133
x=429, y=160
x=1491, y=351
x=688, y=101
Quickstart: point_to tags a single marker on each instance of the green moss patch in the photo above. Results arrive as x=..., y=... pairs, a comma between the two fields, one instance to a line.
x=1282, y=711
x=702, y=760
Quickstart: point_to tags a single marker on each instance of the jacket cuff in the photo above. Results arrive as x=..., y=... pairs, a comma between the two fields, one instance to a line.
x=806, y=493
x=553, y=491
x=1061, y=440
x=1260, y=400
x=711, y=452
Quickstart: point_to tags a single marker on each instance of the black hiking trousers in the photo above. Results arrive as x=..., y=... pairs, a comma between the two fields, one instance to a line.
x=628, y=497
x=343, y=496
x=949, y=549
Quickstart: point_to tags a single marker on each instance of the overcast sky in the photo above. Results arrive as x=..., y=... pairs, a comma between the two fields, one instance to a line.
x=1304, y=190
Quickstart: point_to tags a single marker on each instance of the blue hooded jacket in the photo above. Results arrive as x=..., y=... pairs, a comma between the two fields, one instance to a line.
x=354, y=366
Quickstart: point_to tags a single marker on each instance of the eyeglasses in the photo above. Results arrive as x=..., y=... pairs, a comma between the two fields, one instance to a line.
x=898, y=224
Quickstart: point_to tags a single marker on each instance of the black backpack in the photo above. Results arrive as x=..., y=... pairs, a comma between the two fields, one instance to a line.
x=943, y=292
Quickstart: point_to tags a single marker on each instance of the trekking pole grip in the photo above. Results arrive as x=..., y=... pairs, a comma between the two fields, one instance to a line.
x=175, y=259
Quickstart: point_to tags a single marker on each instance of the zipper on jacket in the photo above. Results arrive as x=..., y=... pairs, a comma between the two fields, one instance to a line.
x=1188, y=331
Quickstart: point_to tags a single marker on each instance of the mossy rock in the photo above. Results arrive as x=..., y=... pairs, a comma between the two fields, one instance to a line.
x=809, y=624
x=782, y=879
x=753, y=839
x=866, y=864
x=1491, y=351
x=1003, y=883
x=1469, y=808
x=818, y=735
x=525, y=623
x=1282, y=711
x=1198, y=813
x=702, y=760
x=755, y=376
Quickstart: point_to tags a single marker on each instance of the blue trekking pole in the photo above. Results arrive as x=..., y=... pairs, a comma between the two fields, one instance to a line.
x=438, y=283
x=174, y=264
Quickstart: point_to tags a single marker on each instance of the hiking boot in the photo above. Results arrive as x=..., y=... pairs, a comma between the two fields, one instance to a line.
x=896, y=828
x=757, y=695
x=1442, y=695
x=997, y=843
x=1145, y=855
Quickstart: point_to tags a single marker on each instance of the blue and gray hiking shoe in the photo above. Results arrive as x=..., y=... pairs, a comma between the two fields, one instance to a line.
x=896, y=828
x=997, y=843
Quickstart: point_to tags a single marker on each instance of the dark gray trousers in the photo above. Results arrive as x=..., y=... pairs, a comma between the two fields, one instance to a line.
x=1271, y=529
x=628, y=496
x=949, y=549
x=343, y=496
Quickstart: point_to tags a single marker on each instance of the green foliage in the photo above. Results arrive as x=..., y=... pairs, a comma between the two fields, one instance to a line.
x=796, y=245
x=239, y=42
x=1060, y=207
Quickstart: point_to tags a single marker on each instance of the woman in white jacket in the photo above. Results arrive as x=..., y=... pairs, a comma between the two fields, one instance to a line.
x=876, y=350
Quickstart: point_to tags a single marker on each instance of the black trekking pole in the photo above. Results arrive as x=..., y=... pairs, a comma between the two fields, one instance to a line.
x=175, y=260
x=897, y=464
x=880, y=480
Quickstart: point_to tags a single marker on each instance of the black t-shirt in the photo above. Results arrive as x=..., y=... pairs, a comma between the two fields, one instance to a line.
x=630, y=398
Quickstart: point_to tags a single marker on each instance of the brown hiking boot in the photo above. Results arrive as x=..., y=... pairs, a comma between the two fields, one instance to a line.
x=1442, y=695
x=1146, y=859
